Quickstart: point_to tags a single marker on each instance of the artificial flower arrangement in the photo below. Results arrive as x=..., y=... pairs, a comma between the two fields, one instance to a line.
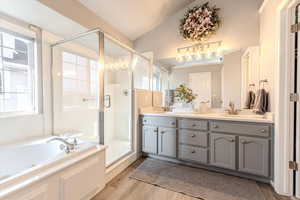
x=185, y=94
x=200, y=22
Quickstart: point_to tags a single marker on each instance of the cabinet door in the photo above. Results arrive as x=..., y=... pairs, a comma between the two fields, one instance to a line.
x=150, y=139
x=167, y=142
x=254, y=156
x=223, y=149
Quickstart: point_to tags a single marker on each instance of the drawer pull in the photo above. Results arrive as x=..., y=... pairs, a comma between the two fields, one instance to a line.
x=263, y=131
x=229, y=139
x=193, y=151
x=215, y=126
x=155, y=131
x=245, y=141
x=194, y=125
x=173, y=123
x=193, y=135
x=162, y=132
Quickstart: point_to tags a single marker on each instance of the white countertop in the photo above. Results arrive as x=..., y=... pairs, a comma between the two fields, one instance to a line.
x=216, y=116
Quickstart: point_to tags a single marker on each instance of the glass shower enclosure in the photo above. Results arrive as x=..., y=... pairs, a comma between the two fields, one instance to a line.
x=92, y=91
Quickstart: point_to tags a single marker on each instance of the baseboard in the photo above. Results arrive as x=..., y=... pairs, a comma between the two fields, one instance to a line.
x=120, y=166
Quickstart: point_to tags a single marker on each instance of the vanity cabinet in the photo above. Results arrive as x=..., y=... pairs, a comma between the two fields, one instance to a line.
x=254, y=155
x=234, y=147
x=149, y=143
x=167, y=142
x=223, y=151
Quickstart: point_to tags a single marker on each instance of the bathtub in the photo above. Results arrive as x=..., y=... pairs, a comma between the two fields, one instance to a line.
x=24, y=164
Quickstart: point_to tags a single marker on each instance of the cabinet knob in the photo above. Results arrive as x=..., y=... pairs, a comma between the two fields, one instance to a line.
x=193, y=151
x=173, y=123
x=231, y=140
x=155, y=131
x=194, y=125
x=145, y=121
x=215, y=126
x=263, y=131
x=193, y=135
x=162, y=132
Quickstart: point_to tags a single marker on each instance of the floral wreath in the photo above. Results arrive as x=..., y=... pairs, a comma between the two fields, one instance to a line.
x=200, y=22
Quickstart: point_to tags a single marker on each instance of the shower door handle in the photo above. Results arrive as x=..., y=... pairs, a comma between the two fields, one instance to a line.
x=107, y=103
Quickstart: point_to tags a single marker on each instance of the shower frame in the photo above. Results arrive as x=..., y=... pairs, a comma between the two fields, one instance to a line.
x=101, y=35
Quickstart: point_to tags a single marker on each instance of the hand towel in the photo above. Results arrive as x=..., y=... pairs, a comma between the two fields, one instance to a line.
x=261, y=105
x=250, y=100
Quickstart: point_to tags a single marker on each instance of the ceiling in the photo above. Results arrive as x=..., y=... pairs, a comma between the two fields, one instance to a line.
x=134, y=17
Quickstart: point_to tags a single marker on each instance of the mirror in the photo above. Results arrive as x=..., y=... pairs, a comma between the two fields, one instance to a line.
x=214, y=82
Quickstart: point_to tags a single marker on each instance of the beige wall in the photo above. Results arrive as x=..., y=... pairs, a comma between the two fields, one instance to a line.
x=240, y=29
x=80, y=14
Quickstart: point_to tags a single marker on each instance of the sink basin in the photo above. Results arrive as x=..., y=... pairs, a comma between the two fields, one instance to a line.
x=239, y=115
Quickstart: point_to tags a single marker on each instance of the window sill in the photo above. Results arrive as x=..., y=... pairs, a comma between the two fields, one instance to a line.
x=19, y=114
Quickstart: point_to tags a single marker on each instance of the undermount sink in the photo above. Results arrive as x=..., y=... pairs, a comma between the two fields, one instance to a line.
x=240, y=115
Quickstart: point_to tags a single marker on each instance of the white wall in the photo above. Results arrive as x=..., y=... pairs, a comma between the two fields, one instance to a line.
x=240, y=29
x=181, y=75
x=268, y=41
x=232, y=79
x=273, y=67
x=83, y=16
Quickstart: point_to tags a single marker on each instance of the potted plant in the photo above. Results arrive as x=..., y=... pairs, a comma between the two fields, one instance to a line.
x=185, y=96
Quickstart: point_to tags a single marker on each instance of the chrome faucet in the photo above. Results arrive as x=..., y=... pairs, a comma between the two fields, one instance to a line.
x=67, y=146
x=231, y=110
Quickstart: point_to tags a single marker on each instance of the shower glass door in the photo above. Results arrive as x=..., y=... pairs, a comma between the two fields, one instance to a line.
x=117, y=101
x=75, y=90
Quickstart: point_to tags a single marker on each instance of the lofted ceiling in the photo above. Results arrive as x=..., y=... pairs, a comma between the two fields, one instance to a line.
x=134, y=17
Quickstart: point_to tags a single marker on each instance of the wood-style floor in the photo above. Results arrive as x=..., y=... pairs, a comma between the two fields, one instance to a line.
x=124, y=188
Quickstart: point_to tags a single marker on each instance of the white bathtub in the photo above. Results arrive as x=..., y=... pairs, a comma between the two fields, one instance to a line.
x=24, y=164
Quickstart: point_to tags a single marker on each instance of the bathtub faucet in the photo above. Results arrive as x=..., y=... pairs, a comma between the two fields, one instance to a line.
x=67, y=146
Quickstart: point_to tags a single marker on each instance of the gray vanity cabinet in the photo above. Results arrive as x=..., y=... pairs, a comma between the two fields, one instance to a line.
x=223, y=150
x=149, y=139
x=254, y=155
x=242, y=148
x=167, y=142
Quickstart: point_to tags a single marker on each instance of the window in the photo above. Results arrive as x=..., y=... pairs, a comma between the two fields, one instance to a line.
x=156, y=78
x=79, y=81
x=17, y=73
x=80, y=74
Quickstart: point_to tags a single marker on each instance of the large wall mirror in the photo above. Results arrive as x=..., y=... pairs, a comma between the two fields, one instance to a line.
x=214, y=82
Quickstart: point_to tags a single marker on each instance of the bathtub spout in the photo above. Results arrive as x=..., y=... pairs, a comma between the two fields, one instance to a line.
x=69, y=146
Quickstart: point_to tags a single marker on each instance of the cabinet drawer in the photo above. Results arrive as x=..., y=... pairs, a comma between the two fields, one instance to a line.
x=196, y=138
x=240, y=128
x=193, y=124
x=159, y=121
x=189, y=153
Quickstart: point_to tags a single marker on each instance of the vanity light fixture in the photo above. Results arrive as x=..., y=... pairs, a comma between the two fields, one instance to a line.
x=200, y=51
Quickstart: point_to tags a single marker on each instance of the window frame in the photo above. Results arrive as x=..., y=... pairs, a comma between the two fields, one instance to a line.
x=36, y=71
